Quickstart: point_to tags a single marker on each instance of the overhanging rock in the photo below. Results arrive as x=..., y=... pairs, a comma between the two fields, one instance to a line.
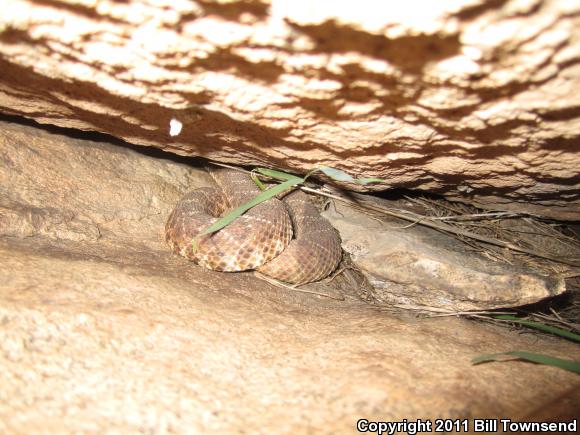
x=472, y=99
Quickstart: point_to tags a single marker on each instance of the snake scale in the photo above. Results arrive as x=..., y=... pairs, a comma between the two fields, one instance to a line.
x=287, y=240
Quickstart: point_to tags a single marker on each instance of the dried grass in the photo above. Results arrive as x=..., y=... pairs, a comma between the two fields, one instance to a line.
x=546, y=246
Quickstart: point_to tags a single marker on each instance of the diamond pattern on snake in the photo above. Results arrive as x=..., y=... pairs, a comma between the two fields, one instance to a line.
x=284, y=239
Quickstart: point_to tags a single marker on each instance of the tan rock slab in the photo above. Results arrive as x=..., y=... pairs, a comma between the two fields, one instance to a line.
x=103, y=329
x=410, y=265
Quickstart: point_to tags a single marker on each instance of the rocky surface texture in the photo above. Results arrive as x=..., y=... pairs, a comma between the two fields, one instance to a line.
x=409, y=265
x=103, y=328
x=475, y=99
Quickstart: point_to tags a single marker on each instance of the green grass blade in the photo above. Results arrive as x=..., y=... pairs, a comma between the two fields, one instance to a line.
x=261, y=197
x=279, y=175
x=546, y=328
x=369, y=180
x=256, y=180
x=564, y=364
x=338, y=175
x=335, y=174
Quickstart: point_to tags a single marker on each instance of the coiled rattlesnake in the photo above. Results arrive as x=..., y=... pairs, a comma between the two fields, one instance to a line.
x=261, y=239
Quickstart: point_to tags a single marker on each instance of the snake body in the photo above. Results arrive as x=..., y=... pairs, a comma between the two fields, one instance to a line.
x=260, y=239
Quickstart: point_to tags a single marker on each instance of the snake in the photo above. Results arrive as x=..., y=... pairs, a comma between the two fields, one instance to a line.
x=287, y=239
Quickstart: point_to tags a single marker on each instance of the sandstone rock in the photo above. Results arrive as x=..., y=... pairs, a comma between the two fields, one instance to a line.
x=102, y=328
x=477, y=100
x=416, y=266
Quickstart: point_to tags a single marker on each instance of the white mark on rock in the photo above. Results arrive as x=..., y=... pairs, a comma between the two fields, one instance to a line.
x=175, y=127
